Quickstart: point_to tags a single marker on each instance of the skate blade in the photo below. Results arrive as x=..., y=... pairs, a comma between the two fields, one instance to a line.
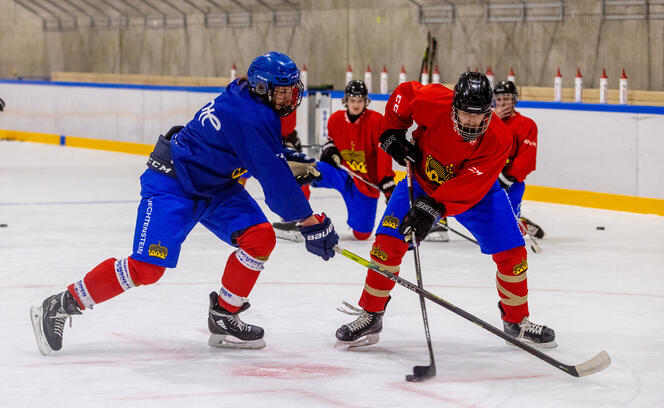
x=551, y=344
x=232, y=342
x=36, y=318
x=364, y=341
x=442, y=236
x=294, y=236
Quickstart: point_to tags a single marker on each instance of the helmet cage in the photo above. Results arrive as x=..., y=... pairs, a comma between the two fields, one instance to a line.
x=470, y=133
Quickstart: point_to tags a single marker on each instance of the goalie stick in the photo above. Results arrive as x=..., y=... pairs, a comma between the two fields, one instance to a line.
x=596, y=364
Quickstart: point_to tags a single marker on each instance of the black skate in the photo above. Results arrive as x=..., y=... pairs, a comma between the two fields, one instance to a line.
x=438, y=232
x=361, y=332
x=228, y=331
x=48, y=320
x=536, y=335
x=533, y=229
x=288, y=230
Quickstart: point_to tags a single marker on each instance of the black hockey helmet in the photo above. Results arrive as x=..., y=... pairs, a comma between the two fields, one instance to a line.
x=356, y=89
x=505, y=87
x=472, y=94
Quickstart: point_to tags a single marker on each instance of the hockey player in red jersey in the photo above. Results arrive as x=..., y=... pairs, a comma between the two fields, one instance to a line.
x=522, y=158
x=352, y=146
x=457, y=154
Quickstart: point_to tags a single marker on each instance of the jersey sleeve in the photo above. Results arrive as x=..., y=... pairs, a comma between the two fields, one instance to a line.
x=526, y=151
x=399, y=108
x=260, y=152
x=383, y=160
x=472, y=182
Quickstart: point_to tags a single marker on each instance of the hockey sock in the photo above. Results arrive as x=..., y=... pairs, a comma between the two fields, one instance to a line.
x=512, y=283
x=386, y=251
x=361, y=235
x=244, y=265
x=112, y=277
x=306, y=190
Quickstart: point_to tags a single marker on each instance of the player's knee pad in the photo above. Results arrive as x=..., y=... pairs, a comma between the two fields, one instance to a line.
x=258, y=241
x=361, y=235
x=388, y=250
x=143, y=273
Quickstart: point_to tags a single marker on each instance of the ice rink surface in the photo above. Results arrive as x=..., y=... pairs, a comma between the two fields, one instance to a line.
x=68, y=209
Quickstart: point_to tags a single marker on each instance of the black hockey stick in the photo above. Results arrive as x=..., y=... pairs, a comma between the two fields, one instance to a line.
x=420, y=373
x=446, y=225
x=598, y=363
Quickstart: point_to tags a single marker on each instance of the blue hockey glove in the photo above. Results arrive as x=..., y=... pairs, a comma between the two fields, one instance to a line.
x=394, y=143
x=303, y=166
x=421, y=217
x=320, y=239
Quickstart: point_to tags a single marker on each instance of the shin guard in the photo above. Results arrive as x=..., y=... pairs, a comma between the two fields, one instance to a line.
x=512, y=283
x=386, y=251
x=244, y=265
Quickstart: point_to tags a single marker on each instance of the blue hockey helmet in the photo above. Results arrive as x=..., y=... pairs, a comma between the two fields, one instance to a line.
x=276, y=71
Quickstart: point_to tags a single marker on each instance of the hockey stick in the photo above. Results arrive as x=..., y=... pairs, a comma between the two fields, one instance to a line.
x=533, y=244
x=596, y=364
x=441, y=222
x=420, y=373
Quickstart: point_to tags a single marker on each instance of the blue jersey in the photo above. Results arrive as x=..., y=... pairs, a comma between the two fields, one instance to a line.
x=234, y=133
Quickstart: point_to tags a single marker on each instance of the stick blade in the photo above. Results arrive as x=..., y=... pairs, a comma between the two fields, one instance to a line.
x=594, y=365
x=421, y=373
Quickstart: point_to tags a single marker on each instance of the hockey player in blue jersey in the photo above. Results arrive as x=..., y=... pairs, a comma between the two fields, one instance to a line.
x=192, y=178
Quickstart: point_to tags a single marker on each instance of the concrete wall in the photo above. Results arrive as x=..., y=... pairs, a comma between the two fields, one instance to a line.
x=334, y=33
x=578, y=149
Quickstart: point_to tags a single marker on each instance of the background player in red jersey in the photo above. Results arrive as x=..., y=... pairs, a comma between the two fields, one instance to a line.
x=352, y=146
x=522, y=158
x=457, y=154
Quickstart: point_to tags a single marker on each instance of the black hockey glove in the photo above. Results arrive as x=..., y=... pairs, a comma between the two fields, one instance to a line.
x=321, y=238
x=421, y=217
x=394, y=142
x=505, y=180
x=330, y=154
x=293, y=141
x=303, y=167
x=2, y=105
x=387, y=186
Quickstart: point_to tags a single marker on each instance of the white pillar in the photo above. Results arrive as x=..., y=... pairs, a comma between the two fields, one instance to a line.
x=623, y=88
x=402, y=75
x=367, y=78
x=578, y=86
x=511, y=76
x=425, y=77
x=558, y=87
x=490, y=77
x=603, y=87
x=383, y=80
x=435, y=78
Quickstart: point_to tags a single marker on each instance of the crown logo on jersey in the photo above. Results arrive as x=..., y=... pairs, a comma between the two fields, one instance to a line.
x=437, y=172
x=379, y=253
x=158, y=251
x=390, y=221
x=520, y=268
x=238, y=172
x=356, y=159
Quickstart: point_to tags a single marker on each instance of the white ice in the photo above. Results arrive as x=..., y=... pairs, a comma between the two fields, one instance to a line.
x=68, y=209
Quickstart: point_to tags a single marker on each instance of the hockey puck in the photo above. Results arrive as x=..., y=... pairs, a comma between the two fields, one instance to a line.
x=600, y=227
x=3, y=225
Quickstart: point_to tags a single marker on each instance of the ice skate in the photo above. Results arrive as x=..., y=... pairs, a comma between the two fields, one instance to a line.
x=287, y=230
x=535, y=335
x=48, y=320
x=361, y=332
x=533, y=229
x=438, y=232
x=228, y=331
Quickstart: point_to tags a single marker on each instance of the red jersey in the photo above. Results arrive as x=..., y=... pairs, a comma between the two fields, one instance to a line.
x=358, y=144
x=454, y=172
x=288, y=124
x=523, y=154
